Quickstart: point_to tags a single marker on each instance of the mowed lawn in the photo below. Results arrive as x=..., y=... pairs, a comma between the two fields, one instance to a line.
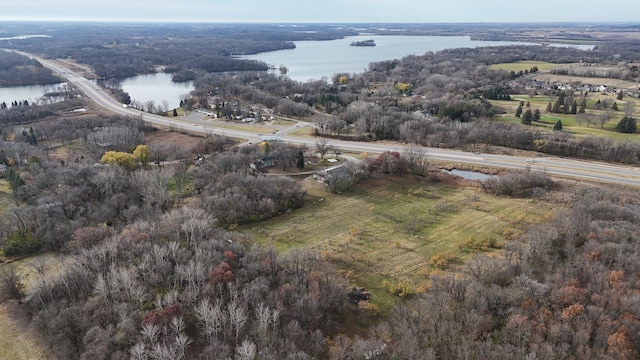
x=383, y=235
x=569, y=123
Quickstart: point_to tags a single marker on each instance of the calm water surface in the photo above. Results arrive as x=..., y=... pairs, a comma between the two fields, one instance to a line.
x=316, y=59
x=157, y=87
x=30, y=93
x=469, y=175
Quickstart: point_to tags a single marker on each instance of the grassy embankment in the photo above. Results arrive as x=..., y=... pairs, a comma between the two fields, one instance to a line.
x=385, y=234
x=15, y=341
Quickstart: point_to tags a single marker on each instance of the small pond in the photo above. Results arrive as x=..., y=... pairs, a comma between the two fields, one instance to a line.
x=469, y=175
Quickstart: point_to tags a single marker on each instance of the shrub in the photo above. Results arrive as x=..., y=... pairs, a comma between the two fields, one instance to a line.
x=21, y=243
x=525, y=183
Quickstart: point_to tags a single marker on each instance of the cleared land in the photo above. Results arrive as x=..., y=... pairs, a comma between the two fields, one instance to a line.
x=16, y=340
x=5, y=195
x=17, y=344
x=384, y=235
x=525, y=65
x=617, y=83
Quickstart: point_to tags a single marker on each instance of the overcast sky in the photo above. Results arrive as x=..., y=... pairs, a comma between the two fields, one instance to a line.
x=324, y=10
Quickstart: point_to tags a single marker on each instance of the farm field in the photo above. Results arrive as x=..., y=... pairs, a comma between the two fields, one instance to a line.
x=383, y=235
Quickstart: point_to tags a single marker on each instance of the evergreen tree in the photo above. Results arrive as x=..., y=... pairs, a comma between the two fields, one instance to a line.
x=583, y=106
x=620, y=95
x=536, y=115
x=557, y=126
x=614, y=106
x=526, y=117
x=574, y=107
x=549, y=107
x=300, y=164
x=175, y=112
x=627, y=125
x=558, y=107
x=528, y=104
x=519, y=111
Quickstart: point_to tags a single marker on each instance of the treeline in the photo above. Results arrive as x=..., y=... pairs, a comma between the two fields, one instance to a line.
x=565, y=289
x=23, y=112
x=586, y=71
x=118, y=51
x=17, y=70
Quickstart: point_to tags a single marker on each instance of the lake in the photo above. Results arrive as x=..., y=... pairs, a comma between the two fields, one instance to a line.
x=317, y=59
x=157, y=87
x=31, y=93
x=309, y=60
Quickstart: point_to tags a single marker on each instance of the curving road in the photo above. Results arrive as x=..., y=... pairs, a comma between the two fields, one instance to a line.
x=576, y=169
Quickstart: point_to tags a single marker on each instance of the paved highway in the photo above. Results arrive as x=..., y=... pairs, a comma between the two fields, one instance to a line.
x=576, y=169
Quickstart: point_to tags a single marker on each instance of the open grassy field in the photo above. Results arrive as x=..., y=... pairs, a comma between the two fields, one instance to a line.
x=384, y=235
x=17, y=341
x=5, y=195
x=255, y=128
x=569, y=123
x=16, y=344
x=525, y=65
x=620, y=84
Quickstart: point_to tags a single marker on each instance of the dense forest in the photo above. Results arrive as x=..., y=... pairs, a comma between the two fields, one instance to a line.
x=19, y=70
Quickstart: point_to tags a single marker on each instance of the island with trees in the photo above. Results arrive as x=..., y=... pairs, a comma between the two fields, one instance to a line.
x=369, y=42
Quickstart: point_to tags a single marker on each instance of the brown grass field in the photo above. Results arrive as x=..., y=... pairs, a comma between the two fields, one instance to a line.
x=384, y=235
x=17, y=340
x=17, y=343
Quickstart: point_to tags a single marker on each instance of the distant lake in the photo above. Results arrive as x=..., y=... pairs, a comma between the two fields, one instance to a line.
x=316, y=59
x=31, y=93
x=157, y=87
